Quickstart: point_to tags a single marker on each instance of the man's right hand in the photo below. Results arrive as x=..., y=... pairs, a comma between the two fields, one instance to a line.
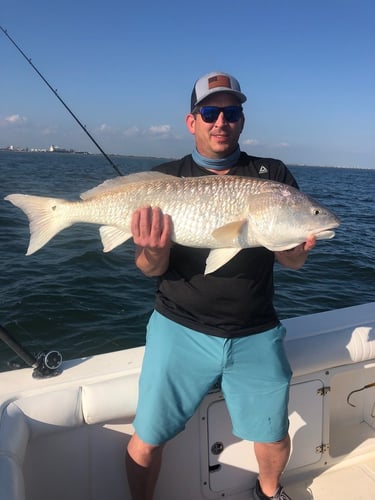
x=151, y=230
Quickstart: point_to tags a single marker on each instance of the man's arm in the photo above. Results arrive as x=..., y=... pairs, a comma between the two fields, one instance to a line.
x=151, y=230
x=296, y=257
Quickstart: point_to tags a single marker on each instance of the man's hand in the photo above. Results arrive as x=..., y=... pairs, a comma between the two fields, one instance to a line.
x=296, y=257
x=151, y=230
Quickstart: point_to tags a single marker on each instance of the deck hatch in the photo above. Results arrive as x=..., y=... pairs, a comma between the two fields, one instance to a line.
x=231, y=467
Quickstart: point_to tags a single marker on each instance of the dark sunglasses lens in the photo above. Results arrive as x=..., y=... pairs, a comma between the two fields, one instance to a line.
x=210, y=114
x=232, y=113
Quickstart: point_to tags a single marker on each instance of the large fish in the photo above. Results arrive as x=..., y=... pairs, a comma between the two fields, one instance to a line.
x=222, y=213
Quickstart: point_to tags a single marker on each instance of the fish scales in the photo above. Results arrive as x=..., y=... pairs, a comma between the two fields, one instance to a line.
x=197, y=208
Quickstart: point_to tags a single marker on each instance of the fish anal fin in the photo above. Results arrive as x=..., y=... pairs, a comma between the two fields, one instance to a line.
x=229, y=233
x=112, y=237
x=218, y=257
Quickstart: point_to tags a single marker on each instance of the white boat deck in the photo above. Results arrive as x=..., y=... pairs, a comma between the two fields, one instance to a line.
x=351, y=481
x=64, y=438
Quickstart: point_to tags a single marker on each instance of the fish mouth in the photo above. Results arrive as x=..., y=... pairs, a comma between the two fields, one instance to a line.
x=327, y=234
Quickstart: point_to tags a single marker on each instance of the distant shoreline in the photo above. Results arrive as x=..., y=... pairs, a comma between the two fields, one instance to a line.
x=86, y=153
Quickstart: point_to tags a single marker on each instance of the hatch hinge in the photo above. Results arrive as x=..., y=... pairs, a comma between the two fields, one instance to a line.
x=322, y=448
x=323, y=391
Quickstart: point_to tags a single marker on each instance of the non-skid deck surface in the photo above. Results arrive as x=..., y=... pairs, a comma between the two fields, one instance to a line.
x=356, y=482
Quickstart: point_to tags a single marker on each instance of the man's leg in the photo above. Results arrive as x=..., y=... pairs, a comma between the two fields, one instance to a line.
x=188, y=364
x=272, y=459
x=143, y=463
x=255, y=384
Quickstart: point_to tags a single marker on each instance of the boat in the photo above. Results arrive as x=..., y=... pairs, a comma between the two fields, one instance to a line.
x=64, y=437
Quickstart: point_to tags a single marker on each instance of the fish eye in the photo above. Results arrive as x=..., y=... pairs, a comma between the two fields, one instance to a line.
x=316, y=211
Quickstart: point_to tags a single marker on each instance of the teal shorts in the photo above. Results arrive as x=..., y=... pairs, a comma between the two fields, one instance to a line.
x=181, y=365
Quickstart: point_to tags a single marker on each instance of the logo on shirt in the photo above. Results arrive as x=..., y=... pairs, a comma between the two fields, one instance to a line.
x=263, y=170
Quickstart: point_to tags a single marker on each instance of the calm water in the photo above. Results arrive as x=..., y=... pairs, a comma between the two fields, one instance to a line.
x=71, y=297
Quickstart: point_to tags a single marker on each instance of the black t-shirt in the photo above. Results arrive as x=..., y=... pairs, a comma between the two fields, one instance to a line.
x=237, y=299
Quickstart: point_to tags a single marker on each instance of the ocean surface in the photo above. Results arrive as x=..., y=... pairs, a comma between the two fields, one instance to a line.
x=72, y=297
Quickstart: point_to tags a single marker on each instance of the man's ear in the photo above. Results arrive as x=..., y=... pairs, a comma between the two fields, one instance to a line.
x=190, y=123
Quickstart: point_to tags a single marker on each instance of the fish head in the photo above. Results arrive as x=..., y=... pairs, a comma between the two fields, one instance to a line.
x=285, y=217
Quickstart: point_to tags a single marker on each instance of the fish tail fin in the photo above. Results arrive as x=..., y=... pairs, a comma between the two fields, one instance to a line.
x=45, y=218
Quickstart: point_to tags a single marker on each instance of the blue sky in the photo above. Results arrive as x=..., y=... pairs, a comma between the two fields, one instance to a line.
x=126, y=69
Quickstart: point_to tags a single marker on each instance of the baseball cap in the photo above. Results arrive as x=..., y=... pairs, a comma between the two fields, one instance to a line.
x=215, y=82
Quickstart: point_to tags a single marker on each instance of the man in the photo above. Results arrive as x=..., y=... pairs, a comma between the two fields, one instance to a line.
x=219, y=327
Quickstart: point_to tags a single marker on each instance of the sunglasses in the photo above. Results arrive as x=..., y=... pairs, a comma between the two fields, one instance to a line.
x=210, y=114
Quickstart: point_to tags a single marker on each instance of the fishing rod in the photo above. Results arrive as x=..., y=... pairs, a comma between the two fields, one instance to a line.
x=45, y=364
x=83, y=127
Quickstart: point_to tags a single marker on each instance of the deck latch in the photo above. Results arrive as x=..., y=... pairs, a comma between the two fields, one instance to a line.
x=323, y=391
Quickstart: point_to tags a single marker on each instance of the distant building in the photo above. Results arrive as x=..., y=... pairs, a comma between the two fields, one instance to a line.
x=51, y=149
x=56, y=149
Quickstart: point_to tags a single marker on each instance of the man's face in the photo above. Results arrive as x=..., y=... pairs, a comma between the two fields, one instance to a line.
x=218, y=139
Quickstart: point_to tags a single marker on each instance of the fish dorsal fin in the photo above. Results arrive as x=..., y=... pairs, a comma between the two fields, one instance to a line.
x=218, y=257
x=117, y=183
x=112, y=237
x=230, y=233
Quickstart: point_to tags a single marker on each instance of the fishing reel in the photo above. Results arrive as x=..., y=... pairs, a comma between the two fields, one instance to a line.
x=47, y=364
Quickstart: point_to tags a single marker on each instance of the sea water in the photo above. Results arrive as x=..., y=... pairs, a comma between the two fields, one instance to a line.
x=72, y=297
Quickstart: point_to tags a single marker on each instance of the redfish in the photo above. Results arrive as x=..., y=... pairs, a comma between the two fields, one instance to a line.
x=220, y=212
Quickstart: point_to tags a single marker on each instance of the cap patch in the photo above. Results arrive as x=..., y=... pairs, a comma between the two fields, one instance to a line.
x=219, y=81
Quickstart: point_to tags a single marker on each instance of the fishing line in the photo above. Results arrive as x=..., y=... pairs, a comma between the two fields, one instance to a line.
x=83, y=127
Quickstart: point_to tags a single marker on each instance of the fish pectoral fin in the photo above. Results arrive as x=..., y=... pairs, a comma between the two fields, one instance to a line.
x=218, y=257
x=230, y=233
x=112, y=237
